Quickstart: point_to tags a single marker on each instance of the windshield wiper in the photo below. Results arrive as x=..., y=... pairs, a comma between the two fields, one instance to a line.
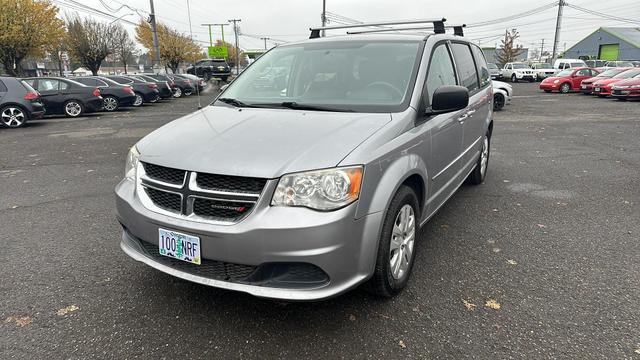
x=235, y=102
x=297, y=106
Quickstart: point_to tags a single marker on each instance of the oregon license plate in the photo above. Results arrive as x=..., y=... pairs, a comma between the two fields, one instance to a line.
x=179, y=246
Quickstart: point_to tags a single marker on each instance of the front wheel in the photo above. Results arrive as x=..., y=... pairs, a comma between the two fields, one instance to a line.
x=73, y=108
x=12, y=117
x=514, y=78
x=110, y=103
x=177, y=93
x=564, y=88
x=396, y=251
x=480, y=171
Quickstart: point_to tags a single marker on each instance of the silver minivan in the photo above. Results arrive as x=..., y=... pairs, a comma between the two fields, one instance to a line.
x=313, y=171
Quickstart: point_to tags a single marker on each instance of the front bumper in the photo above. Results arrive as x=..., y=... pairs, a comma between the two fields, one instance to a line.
x=343, y=247
x=601, y=90
x=521, y=76
x=549, y=86
x=94, y=104
x=586, y=88
x=625, y=93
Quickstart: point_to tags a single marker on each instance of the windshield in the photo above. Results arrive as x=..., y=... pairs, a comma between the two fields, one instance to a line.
x=365, y=76
x=627, y=74
x=565, y=72
x=543, y=66
x=611, y=72
x=520, y=66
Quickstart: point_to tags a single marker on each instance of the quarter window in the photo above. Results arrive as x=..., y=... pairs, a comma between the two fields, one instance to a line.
x=481, y=63
x=441, y=71
x=466, y=66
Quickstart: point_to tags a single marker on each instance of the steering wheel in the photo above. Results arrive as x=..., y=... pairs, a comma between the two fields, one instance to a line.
x=386, y=86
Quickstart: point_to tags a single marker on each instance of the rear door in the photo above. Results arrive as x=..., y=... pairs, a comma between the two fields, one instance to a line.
x=475, y=116
x=51, y=94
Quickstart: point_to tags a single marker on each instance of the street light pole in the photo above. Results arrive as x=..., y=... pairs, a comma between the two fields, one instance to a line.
x=324, y=15
x=154, y=29
x=235, y=31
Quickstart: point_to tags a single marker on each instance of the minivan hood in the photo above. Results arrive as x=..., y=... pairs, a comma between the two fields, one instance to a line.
x=254, y=142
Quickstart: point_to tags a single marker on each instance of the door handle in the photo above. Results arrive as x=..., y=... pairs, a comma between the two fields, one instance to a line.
x=462, y=118
x=471, y=112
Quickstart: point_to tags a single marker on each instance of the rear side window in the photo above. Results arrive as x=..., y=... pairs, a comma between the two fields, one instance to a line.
x=86, y=81
x=466, y=66
x=481, y=64
x=441, y=71
x=3, y=88
x=27, y=86
x=583, y=72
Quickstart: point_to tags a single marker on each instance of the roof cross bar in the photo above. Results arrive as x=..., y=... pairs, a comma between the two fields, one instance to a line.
x=458, y=30
x=438, y=26
x=454, y=27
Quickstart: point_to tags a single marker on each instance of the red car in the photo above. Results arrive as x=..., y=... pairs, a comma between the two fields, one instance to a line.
x=586, y=87
x=602, y=87
x=627, y=89
x=567, y=80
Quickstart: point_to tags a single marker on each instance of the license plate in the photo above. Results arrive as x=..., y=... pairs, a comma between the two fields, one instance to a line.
x=596, y=89
x=584, y=86
x=179, y=246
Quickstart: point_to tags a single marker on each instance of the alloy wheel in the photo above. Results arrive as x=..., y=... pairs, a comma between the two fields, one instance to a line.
x=484, y=156
x=138, y=100
x=73, y=109
x=13, y=117
x=565, y=88
x=402, y=240
x=177, y=93
x=110, y=103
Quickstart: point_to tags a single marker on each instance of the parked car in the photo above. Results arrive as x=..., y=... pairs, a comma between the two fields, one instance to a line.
x=66, y=97
x=167, y=79
x=627, y=89
x=594, y=64
x=211, y=68
x=602, y=88
x=517, y=71
x=543, y=70
x=19, y=102
x=184, y=86
x=199, y=82
x=494, y=71
x=114, y=95
x=586, y=86
x=306, y=190
x=567, y=80
x=564, y=64
x=165, y=89
x=618, y=64
x=502, y=93
x=145, y=92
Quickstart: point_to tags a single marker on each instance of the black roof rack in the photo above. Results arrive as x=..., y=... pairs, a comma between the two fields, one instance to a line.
x=457, y=29
x=438, y=26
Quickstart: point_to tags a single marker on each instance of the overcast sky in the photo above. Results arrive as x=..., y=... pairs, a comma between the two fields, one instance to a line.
x=289, y=20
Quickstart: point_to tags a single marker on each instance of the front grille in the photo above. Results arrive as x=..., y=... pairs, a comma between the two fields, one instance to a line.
x=212, y=269
x=231, y=183
x=164, y=174
x=190, y=194
x=166, y=200
x=218, y=209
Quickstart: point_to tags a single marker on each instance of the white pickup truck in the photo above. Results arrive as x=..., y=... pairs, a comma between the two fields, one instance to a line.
x=518, y=71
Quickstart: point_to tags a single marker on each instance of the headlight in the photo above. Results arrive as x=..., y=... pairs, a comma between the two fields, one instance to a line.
x=132, y=163
x=556, y=81
x=321, y=189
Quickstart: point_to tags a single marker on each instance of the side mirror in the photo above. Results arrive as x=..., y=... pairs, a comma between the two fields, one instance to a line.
x=448, y=98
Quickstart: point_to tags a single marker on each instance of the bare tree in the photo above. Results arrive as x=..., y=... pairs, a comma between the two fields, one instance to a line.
x=508, y=51
x=125, y=48
x=90, y=41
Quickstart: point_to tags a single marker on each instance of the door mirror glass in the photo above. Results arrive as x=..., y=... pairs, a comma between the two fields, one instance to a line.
x=448, y=98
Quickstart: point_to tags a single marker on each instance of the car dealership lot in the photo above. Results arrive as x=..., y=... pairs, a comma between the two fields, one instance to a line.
x=540, y=261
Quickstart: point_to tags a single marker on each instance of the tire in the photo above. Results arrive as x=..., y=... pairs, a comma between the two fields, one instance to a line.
x=479, y=173
x=139, y=100
x=565, y=88
x=387, y=281
x=188, y=93
x=514, y=78
x=224, y=78
x=178, y=93
x=206, y=76
x=155, y=99
x=547, y=91
x=73, y=108
x=110, y=103
x=13, y=117
x=498, y=101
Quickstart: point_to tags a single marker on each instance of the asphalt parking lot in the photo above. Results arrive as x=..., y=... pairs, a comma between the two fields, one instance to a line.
x=539, y=262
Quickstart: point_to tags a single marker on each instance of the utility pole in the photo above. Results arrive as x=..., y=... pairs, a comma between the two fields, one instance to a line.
x=221, y=30
x=235, y=31
x=210, y=33
x=323, y=17
x=265, y=41
x=542, y=49
x=556, y=38
x=154, y=29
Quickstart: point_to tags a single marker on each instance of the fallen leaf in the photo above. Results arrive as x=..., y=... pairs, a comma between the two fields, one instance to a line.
x=470, y=306
x=21, y=321
x=541, y=226
x=444, y=227
x=492, y=304
x=66, y=310
x=402, y=345
x=512, y=262
x=637, y=351
x=494, y=210
x=506, y=181
x=352, y=317
x=496, y=250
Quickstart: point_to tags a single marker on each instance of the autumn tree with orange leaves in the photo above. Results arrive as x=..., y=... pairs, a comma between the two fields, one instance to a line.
x=175, y=47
